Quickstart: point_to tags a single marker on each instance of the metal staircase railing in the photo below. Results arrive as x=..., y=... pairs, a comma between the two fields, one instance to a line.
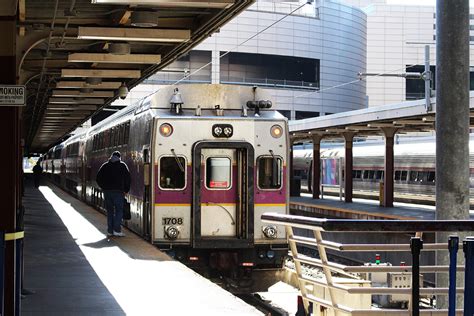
x=343, y=291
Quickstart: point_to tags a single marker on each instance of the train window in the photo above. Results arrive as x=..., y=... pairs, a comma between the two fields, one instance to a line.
x=357, y=174
x=371, y=174
x=379, y=174
x=431, y=176
x=172, y=173
x=404, y=176
x=126, y=133
x=398, y=175
x=269, y=172
x=218, y=171
x=413, y=175
x=422, y=176
x=365, y=174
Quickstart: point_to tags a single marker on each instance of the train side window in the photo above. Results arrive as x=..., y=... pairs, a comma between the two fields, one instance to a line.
x=404, y=175
x=379, y=174
x=269, y=172
x=398, y=175
x=218, y=173
x=423, y=176
x=413, y=176
x=121, y=134
x=126, y=133
x=431, y=176
x=172, y=173
x=371, y=174
x=365, y=174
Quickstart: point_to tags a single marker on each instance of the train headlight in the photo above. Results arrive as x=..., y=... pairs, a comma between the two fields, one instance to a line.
x=172, y=232
x=270, y=232
x=217, y=131
x=166, y=129
x=228, y=131
x=222, y=130
x=276, y=131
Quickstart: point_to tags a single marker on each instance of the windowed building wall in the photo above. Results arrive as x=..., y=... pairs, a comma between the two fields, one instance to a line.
x=396, y=39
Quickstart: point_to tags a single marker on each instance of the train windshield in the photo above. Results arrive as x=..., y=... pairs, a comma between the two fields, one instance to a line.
x=269, y=172
x=172, y=173
x=218, y=173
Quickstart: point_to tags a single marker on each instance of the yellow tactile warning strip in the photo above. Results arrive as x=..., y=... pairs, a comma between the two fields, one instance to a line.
x=14, y=236
x=368, y=215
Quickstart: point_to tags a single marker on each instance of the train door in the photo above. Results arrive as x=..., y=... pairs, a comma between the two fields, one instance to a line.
x=223, y=195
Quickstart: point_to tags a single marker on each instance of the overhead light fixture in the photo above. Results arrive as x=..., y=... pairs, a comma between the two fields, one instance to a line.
x=93, y=81
x=144, y=19
x=84, y=90
x=133, y=34
x=119, y=48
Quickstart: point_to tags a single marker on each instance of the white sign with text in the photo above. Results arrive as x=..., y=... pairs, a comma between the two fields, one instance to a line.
x=12, y=95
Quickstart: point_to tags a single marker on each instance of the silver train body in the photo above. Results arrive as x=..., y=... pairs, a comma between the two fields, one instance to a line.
x=414, y=165
x=203, y=173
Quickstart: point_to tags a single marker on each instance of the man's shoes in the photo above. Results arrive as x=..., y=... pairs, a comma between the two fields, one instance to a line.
x=119, y=234
x=109, y=234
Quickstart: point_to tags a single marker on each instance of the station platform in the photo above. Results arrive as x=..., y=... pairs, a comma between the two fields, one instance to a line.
x=332, y=207
x=72, y=268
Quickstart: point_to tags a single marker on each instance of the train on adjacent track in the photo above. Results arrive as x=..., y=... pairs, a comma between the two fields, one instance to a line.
x=206, y=161
x=414, y=165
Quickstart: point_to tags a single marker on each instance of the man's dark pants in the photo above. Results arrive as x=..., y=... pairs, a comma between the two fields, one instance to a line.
x=114, y=207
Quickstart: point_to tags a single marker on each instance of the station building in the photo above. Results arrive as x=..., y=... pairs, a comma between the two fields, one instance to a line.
x=396, y=39
x=301, y=59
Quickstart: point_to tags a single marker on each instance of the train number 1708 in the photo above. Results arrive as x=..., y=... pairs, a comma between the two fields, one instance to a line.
x=172, y=221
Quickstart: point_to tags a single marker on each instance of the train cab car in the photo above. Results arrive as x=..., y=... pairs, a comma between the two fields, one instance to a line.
x=206, y=161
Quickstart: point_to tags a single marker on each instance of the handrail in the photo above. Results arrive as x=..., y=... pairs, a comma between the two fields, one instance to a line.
x=354, y=225
x=325, y=288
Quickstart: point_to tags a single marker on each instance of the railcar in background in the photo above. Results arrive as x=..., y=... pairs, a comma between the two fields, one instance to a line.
x=414, y=165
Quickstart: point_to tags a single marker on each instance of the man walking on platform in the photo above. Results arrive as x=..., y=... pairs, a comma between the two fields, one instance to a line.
x=37, y=171
x=114, y=179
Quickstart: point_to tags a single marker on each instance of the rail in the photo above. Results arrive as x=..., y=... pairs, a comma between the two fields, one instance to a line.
x=342, y=289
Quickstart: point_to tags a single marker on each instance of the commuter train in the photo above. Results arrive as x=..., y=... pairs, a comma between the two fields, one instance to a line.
x=414, y=165
x=206, y=161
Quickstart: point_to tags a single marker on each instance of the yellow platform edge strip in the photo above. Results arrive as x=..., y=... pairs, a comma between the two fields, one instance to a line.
x=14, y=236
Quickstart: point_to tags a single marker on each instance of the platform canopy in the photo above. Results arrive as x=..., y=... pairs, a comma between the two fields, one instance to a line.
x=80, y=52
x=405, y=117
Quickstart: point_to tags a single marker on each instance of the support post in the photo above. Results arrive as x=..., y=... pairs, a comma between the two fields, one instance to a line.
x=388, y=187
x=9, y=160
x=316, y=176
x=348, y=166
x=452, y=122
x=468, y=247
x=416, y=244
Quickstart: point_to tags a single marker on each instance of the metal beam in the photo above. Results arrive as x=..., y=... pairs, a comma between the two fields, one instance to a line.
x=100, y=73
x=117, y=59
x=74, y=101
x=107, y=85
x=217, y=4
x=72, y=107
x=134, y=34
x=75, y=93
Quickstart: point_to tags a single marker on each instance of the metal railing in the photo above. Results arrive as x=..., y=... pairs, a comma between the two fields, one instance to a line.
x=343, y=289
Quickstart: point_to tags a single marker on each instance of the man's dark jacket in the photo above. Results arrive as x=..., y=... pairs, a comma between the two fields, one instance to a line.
x=114, y=176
